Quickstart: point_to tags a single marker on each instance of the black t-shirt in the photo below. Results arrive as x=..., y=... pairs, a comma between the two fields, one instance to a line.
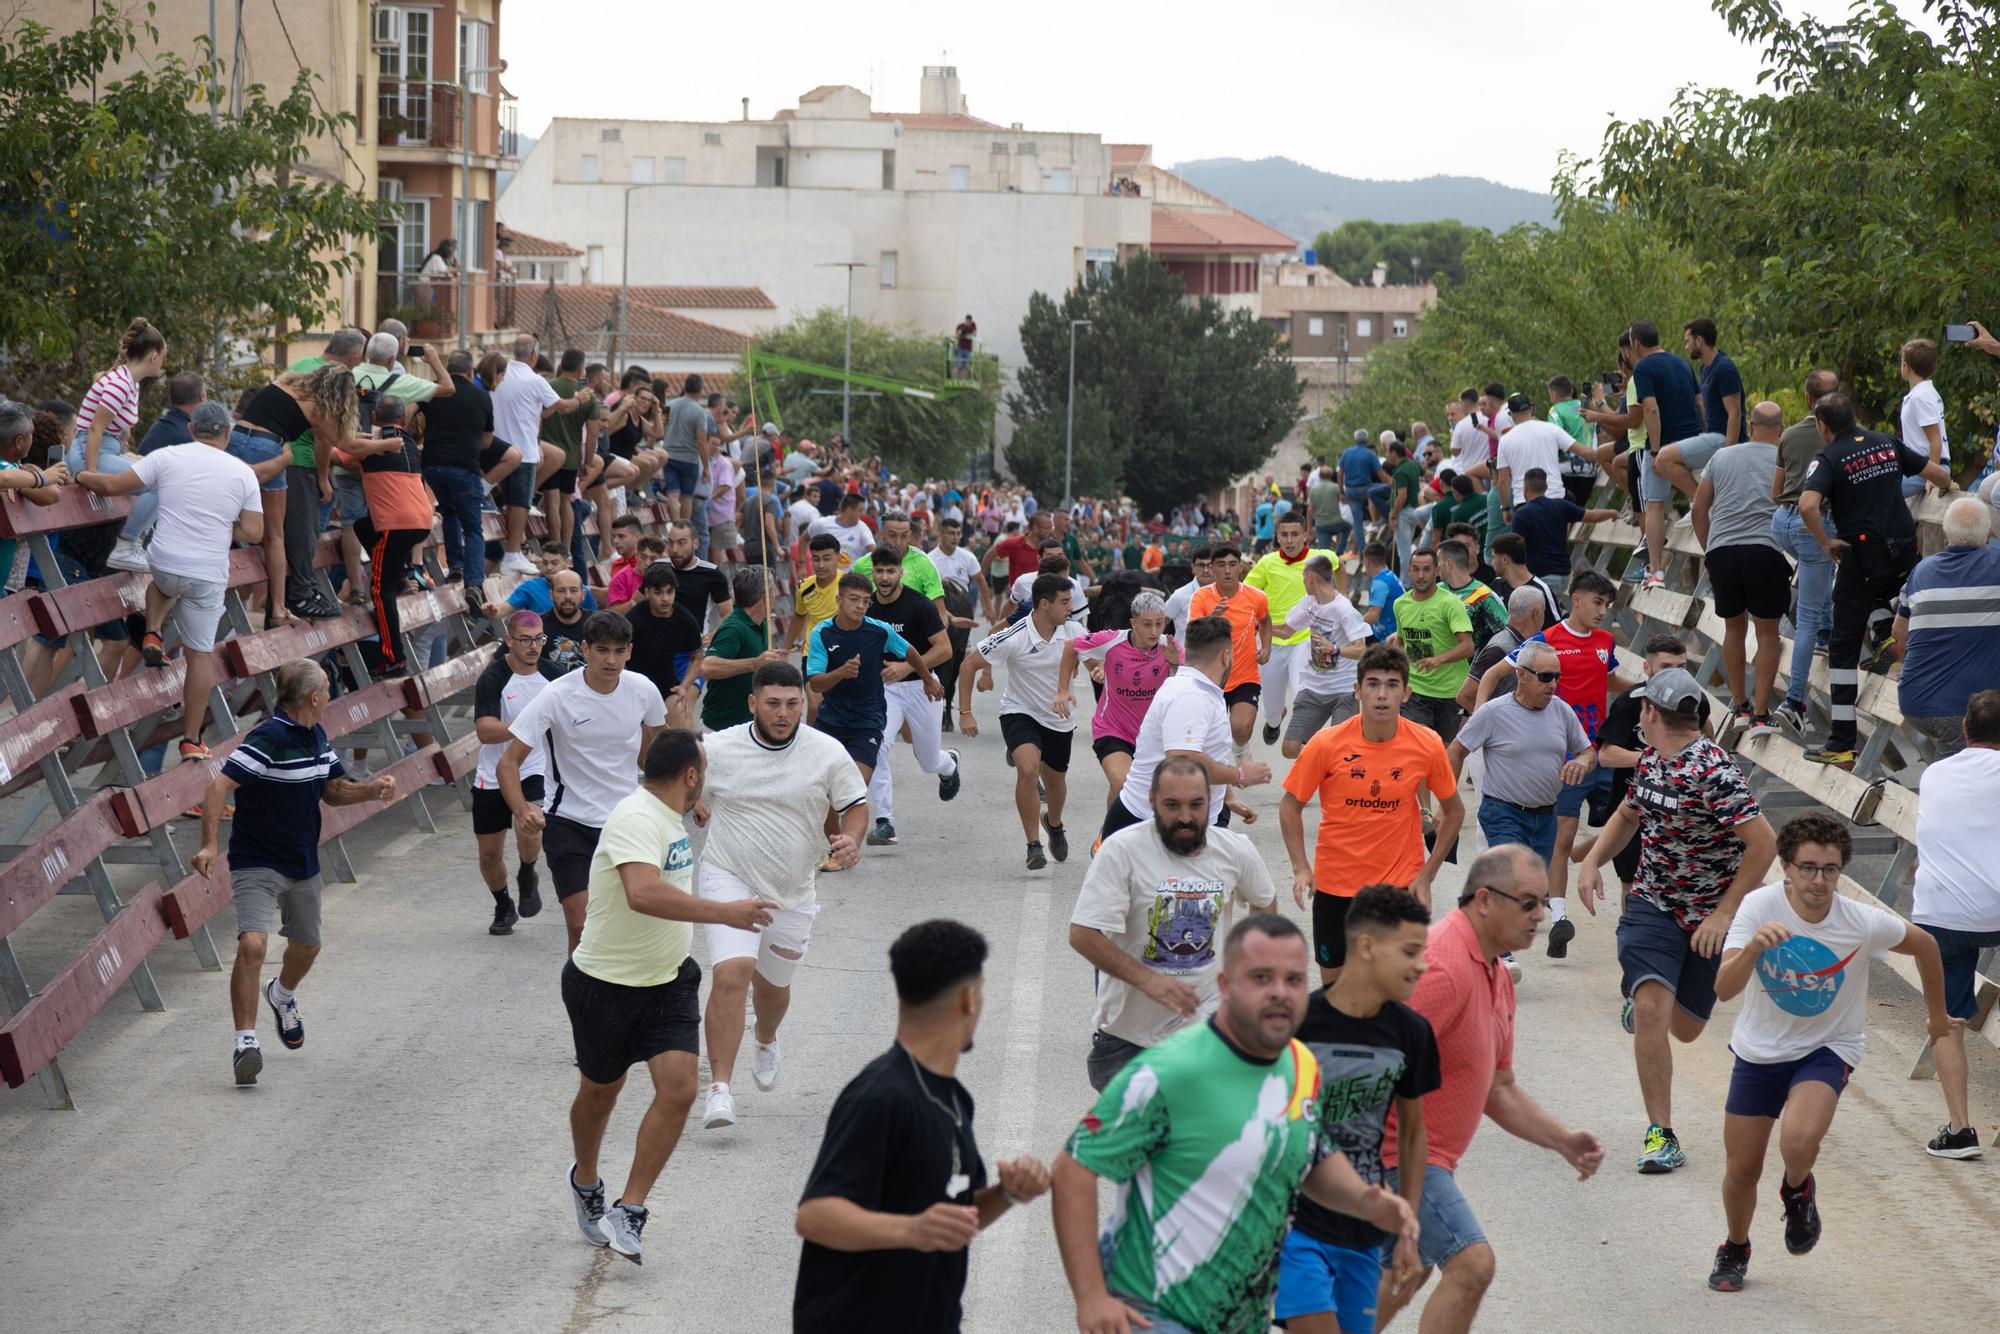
x=700, y=585
x=829, y=496
x=1543, y=524
x=1860, y=478
x=913, y=614
x=1621, y=728
x=1363, y=1063
x=454, y=426
x=662, y=645
x=889, y=1147
x=562, y=644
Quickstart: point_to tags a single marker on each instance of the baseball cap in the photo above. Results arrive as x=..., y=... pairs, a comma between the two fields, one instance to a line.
x=209, y=418
x=771, y=429
x=1674, y=691
x=1519, y=403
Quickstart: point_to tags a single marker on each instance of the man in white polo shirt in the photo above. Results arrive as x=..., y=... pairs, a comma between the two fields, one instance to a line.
x=1038, y=738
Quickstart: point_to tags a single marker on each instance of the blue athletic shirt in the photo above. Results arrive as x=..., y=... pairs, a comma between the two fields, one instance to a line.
x=856, y=704
x=1952, y=600
x=1383, y=592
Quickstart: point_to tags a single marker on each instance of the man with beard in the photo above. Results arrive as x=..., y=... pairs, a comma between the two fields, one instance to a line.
x=1192, y=1241
x=893, y=546
x=562, y=627
x=701, y=585
x=772, y=787
x=1153, y=902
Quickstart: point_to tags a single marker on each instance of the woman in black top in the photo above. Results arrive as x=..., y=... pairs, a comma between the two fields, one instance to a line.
x=318, y=408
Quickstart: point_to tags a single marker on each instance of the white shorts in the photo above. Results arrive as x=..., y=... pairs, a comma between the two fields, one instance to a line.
x=790, y=928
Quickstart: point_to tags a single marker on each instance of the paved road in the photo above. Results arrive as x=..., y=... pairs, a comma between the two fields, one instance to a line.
x=405, y=1170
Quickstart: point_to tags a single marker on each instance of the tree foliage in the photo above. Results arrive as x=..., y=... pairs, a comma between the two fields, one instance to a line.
x=1193, y=396
x=1412, y=251
x=135, y=203
x=916, y=436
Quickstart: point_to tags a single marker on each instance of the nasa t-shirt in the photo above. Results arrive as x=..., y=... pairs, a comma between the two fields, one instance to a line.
x=1170, y=913
x=1812, y=990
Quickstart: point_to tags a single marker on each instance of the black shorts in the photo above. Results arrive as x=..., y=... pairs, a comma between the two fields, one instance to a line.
x=1118, y=816
x=1578, y=489
x=1330, y=929
x=863, y=745
x=1111, y=745
x=568, y=848
x=1019, y=730
x=998, y=582
x=1755, y=578
x=490, y=812
x=617, y=1027
x=489, y=457
x=1247, y=693
x=563, y=480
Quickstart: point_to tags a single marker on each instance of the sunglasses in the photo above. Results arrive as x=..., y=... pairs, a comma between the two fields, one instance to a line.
x=1546, y=678
x=1527, y=903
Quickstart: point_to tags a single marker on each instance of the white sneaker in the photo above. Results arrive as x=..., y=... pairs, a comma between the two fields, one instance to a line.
x=515, y=563
x=764, y=1065
x=127, y=554
x=721, y=1108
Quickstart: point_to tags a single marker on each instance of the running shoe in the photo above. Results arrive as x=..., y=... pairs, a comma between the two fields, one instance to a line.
x=1742, y=716
x=1037, y=859
x=291, y=1028
x=1732, y=1267
x=1635, y=571
x=764, y=1065
x=194, y=750
x=1625, y=1015
x=1949, y=1143
x=515, y=563
x=127, y=554
x=153, y=649
x=1654, y=579
x=622, y=1225
x=883, y=835
x=248, y=1063
x=1791, y=716
x=1826, y=754
x=504, y=915
x=1760, y=725
x=948, y=783
x=1801, y=1215
x=1058, y=840
x=720, y=1110
x=1270, y=734
x=589, y=1204
x=529, y=882
x=1561, y=932
x=1662, y=1152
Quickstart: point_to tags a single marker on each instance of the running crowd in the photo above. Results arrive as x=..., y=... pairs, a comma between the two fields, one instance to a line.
x=698, y=728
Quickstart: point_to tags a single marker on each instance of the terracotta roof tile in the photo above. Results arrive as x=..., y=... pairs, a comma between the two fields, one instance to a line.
x=1195, y=229
x=520, y=245
x=702, y=298
x=575, y=314
x=1124, y=157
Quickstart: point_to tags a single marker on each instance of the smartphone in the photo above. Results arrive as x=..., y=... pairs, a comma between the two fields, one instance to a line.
x=416, y=349
x=1959, y=333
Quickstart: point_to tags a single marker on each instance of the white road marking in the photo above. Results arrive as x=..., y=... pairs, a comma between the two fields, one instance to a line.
x=999, y=1260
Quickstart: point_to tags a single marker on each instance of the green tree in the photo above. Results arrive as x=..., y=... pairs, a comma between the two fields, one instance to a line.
x=1851, y=204
x=137, y=203
x=916, y=436
x=1412, y=251
x=1037, y=453
x=1194, y=396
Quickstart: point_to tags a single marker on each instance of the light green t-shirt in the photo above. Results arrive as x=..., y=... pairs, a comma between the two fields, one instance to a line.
x=302, y=446
x=919, y=575
x=1207, y=1148
x=619, y=945
x=1428, y=628
x=1568, y=414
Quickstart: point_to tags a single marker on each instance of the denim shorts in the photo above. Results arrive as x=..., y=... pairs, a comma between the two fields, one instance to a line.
x=1758, y=1089
x=1653, y=488
x=681, y=476
x=517, y=489
x=1594, y=789
x=1697, y=450
x=1316, y=1276
x=254, y=447
x=1504, y=822
x=349, y=501
x=1652, y=947
x=1960, y=951
x=1446, y=1224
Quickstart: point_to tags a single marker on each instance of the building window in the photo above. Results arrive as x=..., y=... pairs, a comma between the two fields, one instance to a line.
x=474, y=42
x=712, y=138
x=593, y=264
x=960, y=178
x=1098, y=262
x=1364, y=327
x=586, y=168
x=471, y=234
x=405, y=69
x=642, y=171
x=1059, y=181
x=1400, y=328
x=888, y=268
x=1315, y=327
x=613, y=134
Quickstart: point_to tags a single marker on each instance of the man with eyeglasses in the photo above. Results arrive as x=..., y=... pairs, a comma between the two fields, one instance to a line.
x=1468, y=997
x=1704, y=844
x=1528, y=738
x=1808, y=950
x=508, y=685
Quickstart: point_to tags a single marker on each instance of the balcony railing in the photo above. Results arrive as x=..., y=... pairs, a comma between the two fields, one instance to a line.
x=417, y=301
x=417, y=113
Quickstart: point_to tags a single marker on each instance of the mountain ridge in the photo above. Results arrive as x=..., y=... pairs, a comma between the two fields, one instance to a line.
x=1303, y=201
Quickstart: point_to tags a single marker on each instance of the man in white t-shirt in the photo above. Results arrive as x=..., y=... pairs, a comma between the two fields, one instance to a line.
x=1957, y=896
x=508, y=685
x=1202, y=562
x=855, y=538
x=520, y=401
x=1922, y=416
x=1152, y=914
x=1531, y=443
x=1037, y=737
x=953, y=561
x=1335, y=640
x=206, y=498
x=585, y=724
x=781, y=799
x=1802, y=951
x=1188, y=717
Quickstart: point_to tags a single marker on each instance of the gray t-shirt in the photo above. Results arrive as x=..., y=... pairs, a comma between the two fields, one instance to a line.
x=1525, y=748
x=1741, y=513
x=685, y=416
x=1797, y=448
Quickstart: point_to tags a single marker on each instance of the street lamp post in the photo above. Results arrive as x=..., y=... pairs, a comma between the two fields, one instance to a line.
x=1069, y=424
x=465, y=193
x=847, y=352
x=625, y=272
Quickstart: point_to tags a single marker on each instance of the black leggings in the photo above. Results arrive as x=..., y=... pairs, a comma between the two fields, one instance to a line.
x=389, y=556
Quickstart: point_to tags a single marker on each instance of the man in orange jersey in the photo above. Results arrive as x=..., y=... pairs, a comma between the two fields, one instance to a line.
x=1249, y=615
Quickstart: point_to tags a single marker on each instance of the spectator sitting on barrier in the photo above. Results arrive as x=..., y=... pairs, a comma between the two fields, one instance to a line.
x=1948, y=626
x=538, y=594
x=281, y=773
x=40, y=485
x=184, y=390
x=205, y=497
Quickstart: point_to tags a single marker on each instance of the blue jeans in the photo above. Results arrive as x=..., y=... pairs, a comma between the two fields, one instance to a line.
x=112, y=458
x=1357, y=504
x=1326, y=534
x=1815, y=575
x=458, y=495
x=1504, y=822
x=1409, y=523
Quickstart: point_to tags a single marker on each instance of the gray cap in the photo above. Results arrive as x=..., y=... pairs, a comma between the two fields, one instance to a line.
x=1674, y=691
x=771, y=429
x=209, y=418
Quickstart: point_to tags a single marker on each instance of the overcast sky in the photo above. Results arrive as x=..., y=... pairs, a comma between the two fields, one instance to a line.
x=1493, y=88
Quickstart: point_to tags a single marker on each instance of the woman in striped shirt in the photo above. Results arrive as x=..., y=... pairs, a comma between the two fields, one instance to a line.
x=106, y=425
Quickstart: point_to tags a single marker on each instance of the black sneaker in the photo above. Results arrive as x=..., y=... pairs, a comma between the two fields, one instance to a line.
x=315, y=608
x=1732, y=1267
x=883, y=835
x=1801, y=1215
x=948, y=783
x=528, y=881
x=1270, y=734
x=1037, y=859
x=1949, y=1143
x=1561, y=933
x=504, y=915
x=1058, y=840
